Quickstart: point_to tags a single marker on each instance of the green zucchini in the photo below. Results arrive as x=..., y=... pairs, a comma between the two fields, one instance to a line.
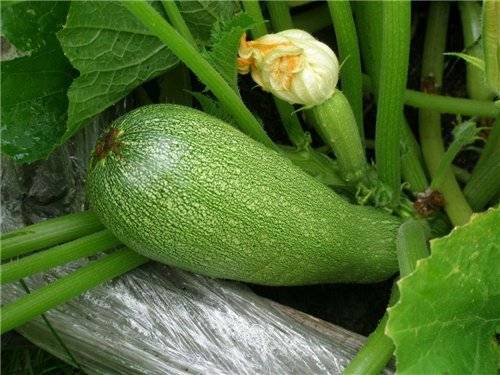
x=186, y=189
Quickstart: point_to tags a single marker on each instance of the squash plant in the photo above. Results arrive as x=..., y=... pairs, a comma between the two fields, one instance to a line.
x=213, y=193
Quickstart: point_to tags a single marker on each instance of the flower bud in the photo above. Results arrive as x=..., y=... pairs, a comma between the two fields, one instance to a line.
x=291, y=65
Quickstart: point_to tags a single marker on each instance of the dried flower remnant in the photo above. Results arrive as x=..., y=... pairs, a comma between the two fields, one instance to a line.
x=292, y=65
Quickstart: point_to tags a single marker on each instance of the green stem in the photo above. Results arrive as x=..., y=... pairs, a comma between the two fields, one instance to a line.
x=393, y=71
x=456, y=206
x=68, y=287
x=411, y=159
x=48, y=233
x=335, y=122
x=492, y=145
x=252, y=8
x=45, y=260
x=347, y=41
x=176, y=19
x=484, y=183
x=411, y=245
x=465, y=133
x=470, y=14
x=289, y=119
x=280, y=15
x=369, y=24
x=55, y=334
x=449, y=104
x=491, y=44
x=201, y=67
x=376, y=351
x=378, y=348
x=314, y=19
x=442, y=103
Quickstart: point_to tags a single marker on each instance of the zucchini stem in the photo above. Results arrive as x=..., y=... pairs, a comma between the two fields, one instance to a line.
x=176, y=19
x=58, y=255
x=48, y=233
x=350, y=74
x=193, y=59
x=68, y=287
x=395, y=43
x=456, y=206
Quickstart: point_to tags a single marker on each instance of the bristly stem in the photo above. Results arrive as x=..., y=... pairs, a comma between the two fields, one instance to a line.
x=41, y=300
x=393, y=71
x=177, y=21
x=456, y=206
x=58, y=255
x=48, y=233
x=350, y=74
x=201, y=67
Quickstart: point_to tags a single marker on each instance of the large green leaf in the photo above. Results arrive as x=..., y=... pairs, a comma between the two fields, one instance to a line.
x=34, y=79
x=116, y=53
x=201, y=15
x=449, y=309
x=113, y=52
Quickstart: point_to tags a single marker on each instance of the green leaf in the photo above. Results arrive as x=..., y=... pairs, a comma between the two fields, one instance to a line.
x=473, y=60
x=224, y=42
x=114, y=53
x=448, y=312
x=35, y=79
x=201, y=15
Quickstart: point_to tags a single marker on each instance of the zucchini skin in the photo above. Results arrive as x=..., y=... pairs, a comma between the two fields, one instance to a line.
x=186, y=189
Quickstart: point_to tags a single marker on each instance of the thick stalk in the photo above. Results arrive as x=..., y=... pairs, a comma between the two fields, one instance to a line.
x=289, y=119
x=350, y=74
x=470, y=14
x=335, y=122
x=146, y=14
x=393, y=71
x=484, y=183
x=449, y=104
x=68, y=287
x=442, y=103
x=431, y=140
x=48, y=233
x=176, y=19
x=58, y=255
x=369, y=24
x=378, y=348
x=411, y=245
